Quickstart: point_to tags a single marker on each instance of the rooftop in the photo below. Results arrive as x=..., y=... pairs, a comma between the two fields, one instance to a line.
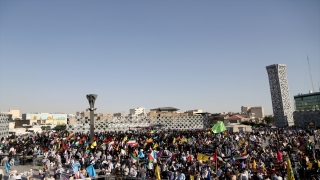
x=306, y=95
x=165, y=109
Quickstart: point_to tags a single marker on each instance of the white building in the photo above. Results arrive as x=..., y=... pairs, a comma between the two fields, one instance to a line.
x=280, y=96
x=140, y=111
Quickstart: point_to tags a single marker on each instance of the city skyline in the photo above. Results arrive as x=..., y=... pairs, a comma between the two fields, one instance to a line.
x=189, y=55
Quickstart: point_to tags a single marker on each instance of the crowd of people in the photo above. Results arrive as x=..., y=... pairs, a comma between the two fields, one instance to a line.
x=264, y=153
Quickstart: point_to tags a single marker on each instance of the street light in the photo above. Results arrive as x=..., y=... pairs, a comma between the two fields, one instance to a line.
x=92, y=98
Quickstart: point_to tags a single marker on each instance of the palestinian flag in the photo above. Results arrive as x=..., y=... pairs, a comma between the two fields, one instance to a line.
x=150, y=158
x=134, y=158
x=242, y=156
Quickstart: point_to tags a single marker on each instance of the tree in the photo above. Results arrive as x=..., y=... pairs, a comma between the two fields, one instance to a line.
x=269, y=119
x=61, y=127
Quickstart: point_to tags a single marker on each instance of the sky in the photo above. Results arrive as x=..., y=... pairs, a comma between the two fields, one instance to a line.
x=208, y=55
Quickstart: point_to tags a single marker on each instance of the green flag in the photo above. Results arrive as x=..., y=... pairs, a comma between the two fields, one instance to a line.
x=219, y=127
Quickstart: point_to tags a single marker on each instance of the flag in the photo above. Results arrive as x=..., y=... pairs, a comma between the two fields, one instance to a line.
x=174, y=140
x=159, y=154
x=150, y=140
x=132, y=143
x=202, y=157
x=191, y=177
x=125, y=139
x=157, y=172
x=218, y=128
x=109, y=148
x=242, y=156
x=7, y=167
x=94, y=144
x=310, y=165
x=150, y=158
x=141, y=155
x=290, y=175
x=183, y=140
x=155, y=145
x=233, y=160
x=279, y=156
x=214, y=156
x=254, y=165
x=134, y=158
x=91, y=171
x=154, y=155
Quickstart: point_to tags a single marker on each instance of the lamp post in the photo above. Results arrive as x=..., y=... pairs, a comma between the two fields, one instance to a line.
x=92, y=98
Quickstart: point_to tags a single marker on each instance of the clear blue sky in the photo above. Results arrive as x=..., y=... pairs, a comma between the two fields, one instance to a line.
x=208, y=55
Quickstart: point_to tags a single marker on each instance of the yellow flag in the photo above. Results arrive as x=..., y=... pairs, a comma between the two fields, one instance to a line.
x=174, y=140
x=157, y=172
x=240, y=142
x=155, y=145
x=125, y=139
x=202, y=157
x=183, y=140
x=94, y=144
x=290, y=175
x=191, y=177
x=318, y=163
x=254, y=166
x=310, y=165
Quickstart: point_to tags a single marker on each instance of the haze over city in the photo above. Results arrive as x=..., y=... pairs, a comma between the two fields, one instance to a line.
x=208, y=55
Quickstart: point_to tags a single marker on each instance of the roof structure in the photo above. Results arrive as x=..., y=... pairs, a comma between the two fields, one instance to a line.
x=236, y=117
x=165, y=109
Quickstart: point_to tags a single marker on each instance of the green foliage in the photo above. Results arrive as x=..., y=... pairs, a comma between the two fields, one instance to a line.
x=269, y=119
x=62, y=127
x=262, y=125
x=45, y=128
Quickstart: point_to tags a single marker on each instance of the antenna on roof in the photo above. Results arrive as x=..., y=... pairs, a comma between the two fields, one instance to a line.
x=310, y=73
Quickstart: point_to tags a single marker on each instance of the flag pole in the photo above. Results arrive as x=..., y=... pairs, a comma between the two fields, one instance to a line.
x=216, y=156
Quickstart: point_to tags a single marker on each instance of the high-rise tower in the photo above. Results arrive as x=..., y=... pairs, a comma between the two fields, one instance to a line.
x=280, y=95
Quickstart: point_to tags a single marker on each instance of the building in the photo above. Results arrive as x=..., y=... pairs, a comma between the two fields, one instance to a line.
x=280, y=95
x=166, y=111
x=307, y=112
x=236, y=119
x=307, y=102
x=45, y=118
x=140, y=111
x=4, y=124
x=120, y=114
x=193, y=112
x=85, y=113
x=256, y=113
x=232, y=128
x=14, y=114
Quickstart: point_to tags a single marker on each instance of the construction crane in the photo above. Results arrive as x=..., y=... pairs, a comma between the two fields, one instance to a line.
x=310, y=73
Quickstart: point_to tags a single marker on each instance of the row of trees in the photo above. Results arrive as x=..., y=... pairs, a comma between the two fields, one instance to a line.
x=62, y=127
